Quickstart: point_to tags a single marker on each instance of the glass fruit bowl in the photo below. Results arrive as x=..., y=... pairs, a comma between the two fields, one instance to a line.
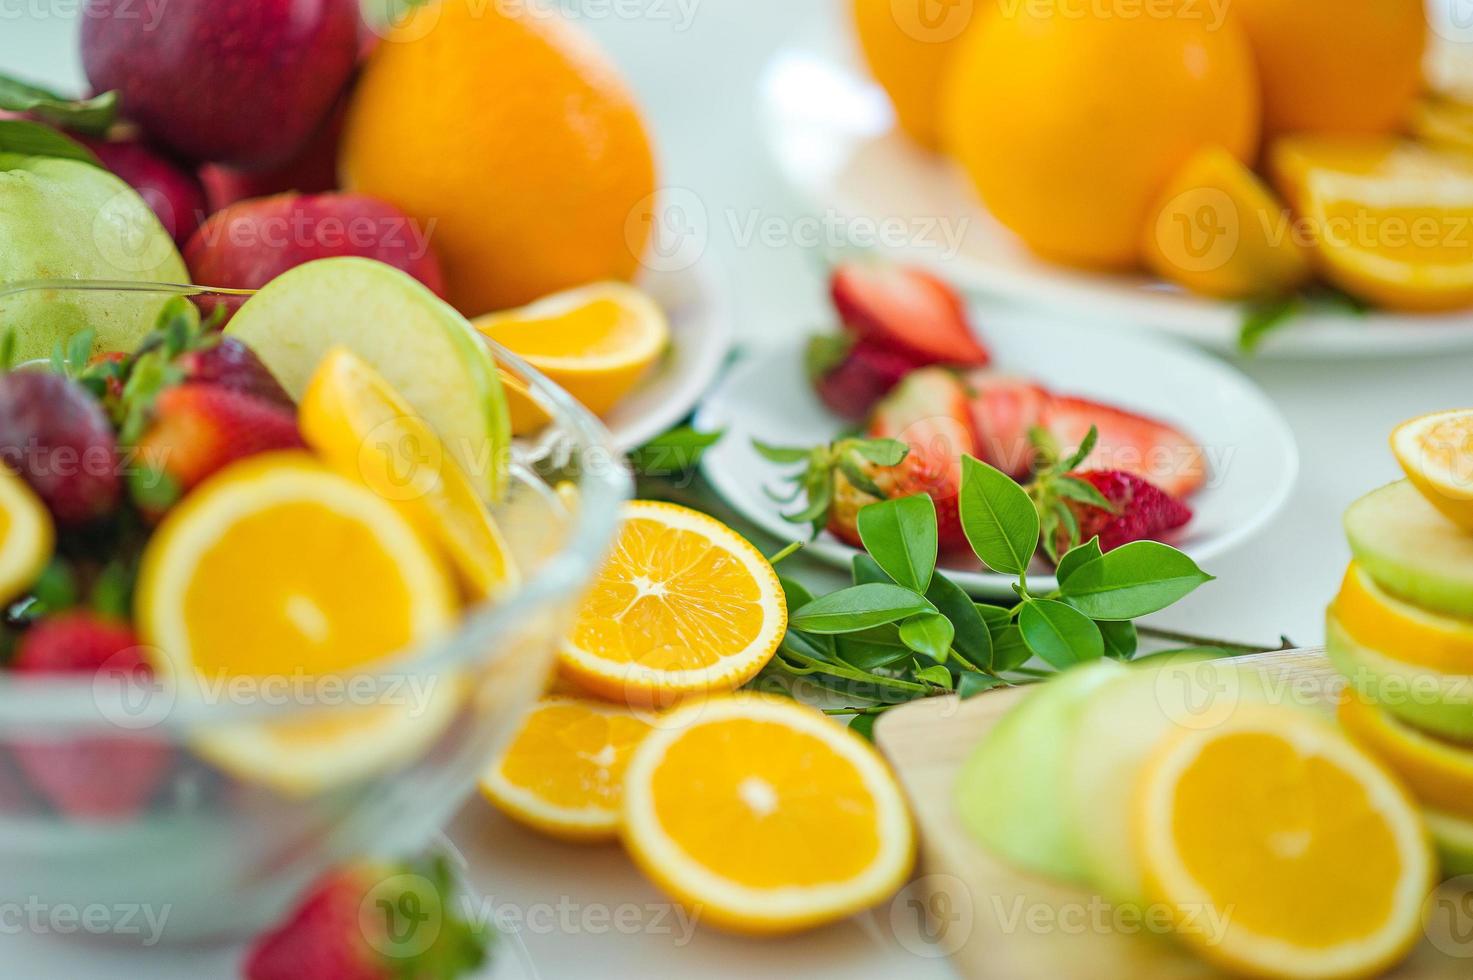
x=209, y=810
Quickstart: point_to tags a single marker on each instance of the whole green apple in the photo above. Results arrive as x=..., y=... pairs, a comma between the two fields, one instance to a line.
x=64, y=220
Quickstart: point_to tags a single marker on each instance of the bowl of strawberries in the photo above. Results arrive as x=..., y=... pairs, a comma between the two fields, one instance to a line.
x=274, y=589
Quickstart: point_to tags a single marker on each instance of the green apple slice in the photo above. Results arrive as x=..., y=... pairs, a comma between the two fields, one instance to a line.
x=1411, y=550
x=430, y=354
x=1009, y=790
x=1439, y=703
x=1113, y=737
x=1454, y=839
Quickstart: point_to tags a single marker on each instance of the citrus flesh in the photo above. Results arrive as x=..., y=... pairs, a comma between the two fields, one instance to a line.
x=1438, y=773
x=1436, y=453
x=27, y=535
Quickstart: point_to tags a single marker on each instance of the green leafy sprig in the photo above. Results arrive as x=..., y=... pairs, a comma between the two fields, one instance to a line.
x=904, y=631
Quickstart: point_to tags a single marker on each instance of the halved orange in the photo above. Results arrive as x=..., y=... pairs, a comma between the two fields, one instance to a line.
x=597, y=341
x=356, y=421
x=27, y=535
x=684, y=606
x=1399, y=629
x=563, y=773
x=765, y=816
x=1436, y=452
x=1439, y=773
x=1282, y=848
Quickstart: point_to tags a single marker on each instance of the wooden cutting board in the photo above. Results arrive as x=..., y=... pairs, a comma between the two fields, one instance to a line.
x=999, y=923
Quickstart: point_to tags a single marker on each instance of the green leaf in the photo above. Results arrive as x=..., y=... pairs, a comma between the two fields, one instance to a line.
x=998, y=517
x=864, y=726
x=930, y=634
x=796, y=593
x=873, y=648
x=824, y=352
x=867, y=571
x=93, y=116
x=1262, y=319
x=781, y=454
x=972, y=638
x=811, y=645
x=996, y=617
x=1082, y=453
x=675, y=453
x=935, y=674
x=881, y=452
x=859, y=607
x=900, y=535
x=1009, y=652
x=970, y=685
x=1073, y=488
x=1121, y=641
x=36, y=140
x=853, y=469
x=1078, y=557
x=1132, y=581
x=1058, y=634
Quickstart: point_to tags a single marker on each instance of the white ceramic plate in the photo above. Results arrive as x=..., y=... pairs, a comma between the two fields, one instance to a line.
x=1254, y=461
x=832, y=135
x=700, y=339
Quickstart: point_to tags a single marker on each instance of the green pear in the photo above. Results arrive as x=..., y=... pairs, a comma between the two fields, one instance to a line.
x=63, y=220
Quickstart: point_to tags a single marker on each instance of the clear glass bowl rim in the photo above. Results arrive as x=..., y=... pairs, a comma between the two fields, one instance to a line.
x=604, y=484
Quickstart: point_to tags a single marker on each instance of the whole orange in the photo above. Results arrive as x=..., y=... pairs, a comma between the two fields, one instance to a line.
x=1070, y=118
x=1335, y=66
x=908, y=45
x=506, y=133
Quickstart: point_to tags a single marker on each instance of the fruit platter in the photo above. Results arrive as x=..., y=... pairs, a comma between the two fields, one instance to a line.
x=456, y=522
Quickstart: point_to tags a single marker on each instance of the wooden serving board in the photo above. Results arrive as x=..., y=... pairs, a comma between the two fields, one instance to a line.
x=1000, y=923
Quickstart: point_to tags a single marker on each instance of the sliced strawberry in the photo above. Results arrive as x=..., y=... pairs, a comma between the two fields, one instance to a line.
x=1129, y=443
x=94, y=777
x=906, y=310
x=228, y=363
x=850, y=379
x=1005, y=408
x=1143, y=511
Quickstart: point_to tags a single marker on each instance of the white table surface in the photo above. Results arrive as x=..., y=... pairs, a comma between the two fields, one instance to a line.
x=694, y=63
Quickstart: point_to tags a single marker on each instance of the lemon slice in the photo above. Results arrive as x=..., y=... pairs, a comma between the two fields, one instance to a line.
x=27, y=535
x=563, y=773
x=1438, y=773
x=683, y=606
x=278, y=569
x=596, y=341
x=361, y=426
x=1281, y=848
x=1436, y=452
x=765, y=815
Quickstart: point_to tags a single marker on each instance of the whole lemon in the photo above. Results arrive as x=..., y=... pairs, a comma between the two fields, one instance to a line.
x=1335, y=66
x=514, y=143
x=908, y=45
x=1070, y=118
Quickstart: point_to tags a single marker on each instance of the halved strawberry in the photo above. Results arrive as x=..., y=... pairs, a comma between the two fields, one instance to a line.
x=1005, y=408
x=906, y=310
x=851, y=376
x=1128, y=442
x=1143, y=511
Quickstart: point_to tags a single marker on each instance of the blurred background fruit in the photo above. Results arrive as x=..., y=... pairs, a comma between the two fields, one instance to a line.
x=1070, y=126
x=517, y=137
x=1332, y=67
x=173, y=193
x=249, y=243
x=908, y=45
x=214, y=80
x=314, y=170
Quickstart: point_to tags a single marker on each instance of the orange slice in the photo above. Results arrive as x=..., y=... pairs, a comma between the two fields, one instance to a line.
x=684, y=606
x=1221, y=232
x=1439, y=773
x=27, y=535
x=1391, y=220
x=765, y=815
x=1436, y=452
x=360, y=425
x=1382, y=622
x=596, y=341
x=563, y=773
x=1282, y=848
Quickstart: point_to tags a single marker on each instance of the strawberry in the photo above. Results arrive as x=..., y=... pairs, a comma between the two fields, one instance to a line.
x=1005, y=410
x=907, y=311
x=1129, y=443
x=198, y=429
x=372, y=921
x=1142, y=511
x=55, y=435
x=851, y=376
x=915, y=443
x=93, y=777
x=227, y=363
